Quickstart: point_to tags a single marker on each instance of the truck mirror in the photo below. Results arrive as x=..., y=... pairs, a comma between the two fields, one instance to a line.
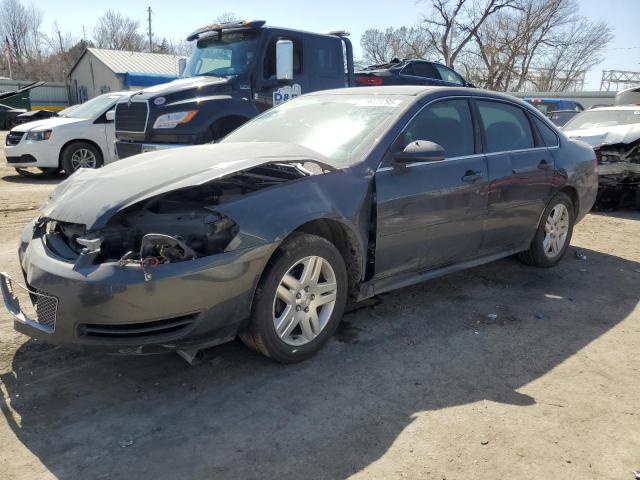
x=110, y=116
x=182, y=65
x=284, y=60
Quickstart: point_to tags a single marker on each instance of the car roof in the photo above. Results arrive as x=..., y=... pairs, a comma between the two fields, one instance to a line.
x=617, y=107
x=421, y=91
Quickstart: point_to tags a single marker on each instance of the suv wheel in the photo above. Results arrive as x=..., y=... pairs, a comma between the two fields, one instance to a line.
x=553, y=236
x=300, y=300
x=80, y=155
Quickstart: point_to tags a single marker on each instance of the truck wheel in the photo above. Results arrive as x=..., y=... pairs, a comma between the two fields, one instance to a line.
x=299, y=301
x=80, y=155
x=553, y=236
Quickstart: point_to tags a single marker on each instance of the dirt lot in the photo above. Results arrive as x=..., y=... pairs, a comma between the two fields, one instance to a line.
x=421, y=385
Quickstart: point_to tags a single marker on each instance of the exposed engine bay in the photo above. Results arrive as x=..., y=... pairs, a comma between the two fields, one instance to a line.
x=176, y=226
x=619, y=174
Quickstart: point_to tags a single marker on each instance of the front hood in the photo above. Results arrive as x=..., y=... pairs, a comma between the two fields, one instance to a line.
x=92, y=197
x=179, y=85
x=47, y=123
x=611, y=135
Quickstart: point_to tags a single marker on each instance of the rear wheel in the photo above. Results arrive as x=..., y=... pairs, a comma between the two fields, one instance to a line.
x=554, y=233
x=80, y=155
x=300, y=300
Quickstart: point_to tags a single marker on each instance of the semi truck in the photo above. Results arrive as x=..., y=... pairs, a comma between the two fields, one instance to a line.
x=236, y=71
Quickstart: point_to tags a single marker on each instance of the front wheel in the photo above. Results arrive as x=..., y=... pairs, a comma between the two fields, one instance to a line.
x=300, y=300
x=80, y=155
x=553, y=236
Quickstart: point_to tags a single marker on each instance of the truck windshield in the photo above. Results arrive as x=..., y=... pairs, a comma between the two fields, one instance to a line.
x=92, y=108
x=228, y=54
x=603, y=118
x=340, y=127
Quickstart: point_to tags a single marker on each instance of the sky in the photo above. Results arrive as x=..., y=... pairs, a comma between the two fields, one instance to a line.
x=354, y=16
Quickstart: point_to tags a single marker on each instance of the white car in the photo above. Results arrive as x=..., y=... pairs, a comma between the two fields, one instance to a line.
x=81, y=136
x=614, y=134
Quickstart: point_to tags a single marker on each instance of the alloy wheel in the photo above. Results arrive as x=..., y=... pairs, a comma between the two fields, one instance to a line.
x=83, y=158
x=304, y=300
x=556, y=229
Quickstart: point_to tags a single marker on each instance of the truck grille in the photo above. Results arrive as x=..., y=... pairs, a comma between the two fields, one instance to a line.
x=131, y=117
x=30, y=303
x=13, y=138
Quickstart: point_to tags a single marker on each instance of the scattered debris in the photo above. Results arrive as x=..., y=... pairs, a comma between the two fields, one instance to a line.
x=484, y=442
x=126, y=443
x=580, y=255
x=637, y=474
x=539, y=316
x=492, y=316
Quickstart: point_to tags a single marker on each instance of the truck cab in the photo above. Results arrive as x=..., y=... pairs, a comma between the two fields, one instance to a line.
x=236, y=71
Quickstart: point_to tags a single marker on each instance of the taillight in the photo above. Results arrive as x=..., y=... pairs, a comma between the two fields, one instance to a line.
x=369, y=81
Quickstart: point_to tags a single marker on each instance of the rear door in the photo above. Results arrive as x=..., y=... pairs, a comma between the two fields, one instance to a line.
x=269, y=91
x=420, y=73
x=520, y=175
x=431, y=214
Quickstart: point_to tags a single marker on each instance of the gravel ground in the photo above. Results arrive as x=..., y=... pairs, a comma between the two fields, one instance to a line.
x=422, y=384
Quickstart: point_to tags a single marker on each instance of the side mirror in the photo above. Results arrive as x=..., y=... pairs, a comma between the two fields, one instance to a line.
x=110, y=116
x=284, y=60
x=420, y=151
x=182, y=66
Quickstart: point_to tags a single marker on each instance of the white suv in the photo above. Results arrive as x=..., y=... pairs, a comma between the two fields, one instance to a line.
x=81, y=136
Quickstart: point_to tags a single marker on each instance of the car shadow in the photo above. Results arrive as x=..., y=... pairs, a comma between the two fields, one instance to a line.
x=239, y=415
x=35, y=180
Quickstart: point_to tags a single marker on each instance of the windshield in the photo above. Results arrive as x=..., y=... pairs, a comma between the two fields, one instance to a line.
x=92, y=108
x=603, y=118
x=229, y=54
x=336, y=126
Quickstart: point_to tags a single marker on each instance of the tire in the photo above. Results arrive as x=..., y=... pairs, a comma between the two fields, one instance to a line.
x=76, y=152
x=542, y=253
x=38, y=172
x=637, y=203
x=300, y=335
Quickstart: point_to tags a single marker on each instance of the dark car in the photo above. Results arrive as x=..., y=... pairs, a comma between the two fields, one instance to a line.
x=560, y=117
x=8, y=116
x=32, y=116
x=410, y=72
x=330, y=198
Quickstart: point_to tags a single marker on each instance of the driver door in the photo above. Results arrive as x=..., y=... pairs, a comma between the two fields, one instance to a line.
x=431, y=214
x=269, y=91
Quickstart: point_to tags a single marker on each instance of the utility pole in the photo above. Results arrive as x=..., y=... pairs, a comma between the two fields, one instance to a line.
x=84, y=33
x=150, y=34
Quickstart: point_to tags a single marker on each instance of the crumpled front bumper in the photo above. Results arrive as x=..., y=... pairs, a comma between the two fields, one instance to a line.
x=619, y=168
x=112, y=308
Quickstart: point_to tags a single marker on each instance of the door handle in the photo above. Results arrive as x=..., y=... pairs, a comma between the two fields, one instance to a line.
x=544, y=165
x=471, y=176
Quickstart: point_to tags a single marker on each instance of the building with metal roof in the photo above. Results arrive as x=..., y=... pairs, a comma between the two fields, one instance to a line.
x=99, y=71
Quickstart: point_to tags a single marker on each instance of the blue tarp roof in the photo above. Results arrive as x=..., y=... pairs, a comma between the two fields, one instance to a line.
x=134, y=79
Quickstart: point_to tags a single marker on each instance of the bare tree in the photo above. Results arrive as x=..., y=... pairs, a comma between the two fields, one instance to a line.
x=452, y=24
x=541, y=44
x=404, y=42
x=117, y=32
x=227, y=17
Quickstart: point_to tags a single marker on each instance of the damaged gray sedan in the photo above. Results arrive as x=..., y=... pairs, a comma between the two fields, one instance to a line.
x=331, y=198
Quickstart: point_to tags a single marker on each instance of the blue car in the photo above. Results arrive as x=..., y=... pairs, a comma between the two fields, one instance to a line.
x=547, y=105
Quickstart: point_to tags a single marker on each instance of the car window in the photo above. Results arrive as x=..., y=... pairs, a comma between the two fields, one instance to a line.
x=549, y=137
x=449, y=75
x=447, y=123
x=506, y=126
x=421, y=69
x=328, y=59
x=269, y=65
